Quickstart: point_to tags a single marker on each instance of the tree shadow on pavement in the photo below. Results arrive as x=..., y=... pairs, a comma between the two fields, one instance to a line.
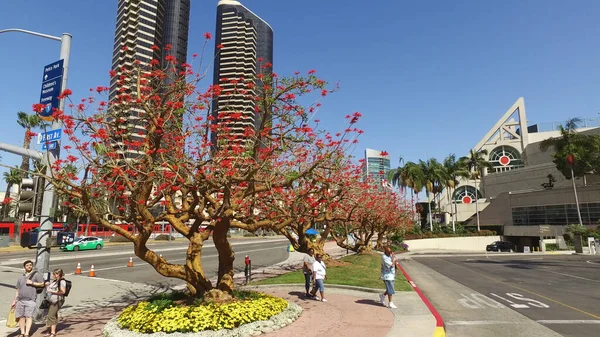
x=368, y=302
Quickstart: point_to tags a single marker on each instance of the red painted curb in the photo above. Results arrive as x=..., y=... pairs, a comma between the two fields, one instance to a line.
x=439, y=322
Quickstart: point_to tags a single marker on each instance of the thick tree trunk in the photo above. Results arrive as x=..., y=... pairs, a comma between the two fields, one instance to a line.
x=25, y=160
x=191, y=272
x=226, y=256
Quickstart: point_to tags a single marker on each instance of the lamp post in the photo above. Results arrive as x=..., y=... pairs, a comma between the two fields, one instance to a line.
x=571, y=162
x=45, y=232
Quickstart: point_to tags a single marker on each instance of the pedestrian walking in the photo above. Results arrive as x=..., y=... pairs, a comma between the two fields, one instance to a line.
x=55, y=290
x=388, y=275
x=319, y=272
x=308, y=261
x=24, y=302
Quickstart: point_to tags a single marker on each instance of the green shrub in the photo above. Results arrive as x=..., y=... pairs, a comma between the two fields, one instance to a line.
x=250, y=235
x=162, y=316
x=163, y=237
x=551, y=247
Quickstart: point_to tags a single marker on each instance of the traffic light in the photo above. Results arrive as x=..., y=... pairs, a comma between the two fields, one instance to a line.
x=26, y=196
x=30, y=196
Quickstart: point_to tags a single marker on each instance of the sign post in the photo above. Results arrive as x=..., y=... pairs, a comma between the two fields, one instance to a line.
x=51, y=89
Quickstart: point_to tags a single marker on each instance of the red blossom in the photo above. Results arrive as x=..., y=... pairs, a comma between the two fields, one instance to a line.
x=207, y=35
x=38, y=107
x=220, y=46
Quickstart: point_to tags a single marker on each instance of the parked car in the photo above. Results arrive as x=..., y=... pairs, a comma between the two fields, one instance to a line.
x=501, y=246
x=84, y=243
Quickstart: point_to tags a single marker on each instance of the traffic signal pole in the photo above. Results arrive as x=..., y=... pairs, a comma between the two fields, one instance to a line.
x=42, y=261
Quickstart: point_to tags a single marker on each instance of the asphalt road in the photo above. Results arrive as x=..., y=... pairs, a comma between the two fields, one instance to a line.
x=560, y=292
x=111, y=262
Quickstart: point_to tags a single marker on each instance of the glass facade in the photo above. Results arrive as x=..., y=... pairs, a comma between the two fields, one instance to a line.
x=505, y=158
x=465, y=194
x=377, y=166
x=556, y=214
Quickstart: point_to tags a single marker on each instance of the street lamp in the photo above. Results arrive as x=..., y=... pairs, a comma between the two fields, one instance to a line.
x=45, y=232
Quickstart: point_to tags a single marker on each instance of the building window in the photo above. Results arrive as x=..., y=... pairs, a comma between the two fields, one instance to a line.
x=560, y=215
x=466, y=194
x=505, y=158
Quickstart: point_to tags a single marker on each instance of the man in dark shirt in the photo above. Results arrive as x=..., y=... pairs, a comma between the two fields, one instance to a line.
x=25, y=297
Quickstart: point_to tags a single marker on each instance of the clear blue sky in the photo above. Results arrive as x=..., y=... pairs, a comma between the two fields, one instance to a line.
x=429, y=77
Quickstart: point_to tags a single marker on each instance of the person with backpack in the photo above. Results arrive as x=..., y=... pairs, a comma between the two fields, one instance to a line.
x=28, y=287
x=56, y=290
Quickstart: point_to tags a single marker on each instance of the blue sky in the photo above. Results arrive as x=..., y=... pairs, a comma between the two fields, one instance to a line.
x=430, y=77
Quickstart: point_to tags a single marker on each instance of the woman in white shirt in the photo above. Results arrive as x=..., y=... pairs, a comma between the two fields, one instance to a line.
x=319, y=272
x=56, y=290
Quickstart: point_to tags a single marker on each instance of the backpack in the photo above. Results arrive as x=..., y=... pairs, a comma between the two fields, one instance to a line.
x=38, y=290
x=68, y=285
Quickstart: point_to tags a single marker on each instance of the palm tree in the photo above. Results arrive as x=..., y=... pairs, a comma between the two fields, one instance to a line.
x=566, y=139
x=476, y=163
x=432, y=175
x=409, y=176
x=27, y=122
x=454, y=170
x=13, y=177
x=568, y=143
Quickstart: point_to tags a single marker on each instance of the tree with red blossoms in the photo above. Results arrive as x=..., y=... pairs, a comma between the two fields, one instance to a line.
x=311, y=204
x=368, y=210
x=192, y=157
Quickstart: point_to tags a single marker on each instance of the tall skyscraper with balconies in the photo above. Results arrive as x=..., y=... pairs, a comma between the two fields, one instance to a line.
x=243, y=43
x=142, y=24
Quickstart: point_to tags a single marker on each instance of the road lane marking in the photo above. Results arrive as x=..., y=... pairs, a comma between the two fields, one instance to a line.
x=90, y=254
x=174, y=260
x=568, y=275
x=592, y=262
x=570, y=321
x=481, y=322
x=512, y=304
x=527, y=291
x=479, y=301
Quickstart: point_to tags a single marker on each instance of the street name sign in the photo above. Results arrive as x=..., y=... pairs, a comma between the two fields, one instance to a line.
x=49, y=146
x=51, y=88
x=49, y=136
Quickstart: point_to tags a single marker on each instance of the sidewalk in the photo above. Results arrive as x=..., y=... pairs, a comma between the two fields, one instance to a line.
x=350, y=311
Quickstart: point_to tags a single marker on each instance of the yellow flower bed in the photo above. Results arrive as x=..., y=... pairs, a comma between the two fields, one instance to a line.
x=145, y=318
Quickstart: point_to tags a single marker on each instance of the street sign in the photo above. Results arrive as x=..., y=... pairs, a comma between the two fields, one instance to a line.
x=49, y=136
x=51, y=87
x=49, y=146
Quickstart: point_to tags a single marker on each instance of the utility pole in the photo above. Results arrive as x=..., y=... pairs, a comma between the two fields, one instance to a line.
x=42, y=261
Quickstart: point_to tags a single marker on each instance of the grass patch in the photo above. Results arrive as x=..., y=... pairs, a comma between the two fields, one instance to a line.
x=362, y=270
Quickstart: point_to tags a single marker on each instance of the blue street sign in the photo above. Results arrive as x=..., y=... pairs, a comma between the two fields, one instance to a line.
x=49, y=136
x=49, y=146
x=51, y=88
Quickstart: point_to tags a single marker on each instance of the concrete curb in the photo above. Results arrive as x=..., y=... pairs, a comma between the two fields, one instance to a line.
x=440, y=330
x=335, y=286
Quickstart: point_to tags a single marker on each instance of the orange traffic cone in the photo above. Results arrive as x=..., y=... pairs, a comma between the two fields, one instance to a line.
x=130, y=264
x=78, y=269
x=92, y=272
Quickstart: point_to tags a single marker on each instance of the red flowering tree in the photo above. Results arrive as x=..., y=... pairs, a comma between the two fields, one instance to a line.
x=191, y=157
x=366, y=210
x=312, y=203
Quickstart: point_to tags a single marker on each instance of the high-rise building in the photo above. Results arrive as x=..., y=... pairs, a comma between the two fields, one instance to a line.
x=142, y=24
x=377, y=166
x=243, y=43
